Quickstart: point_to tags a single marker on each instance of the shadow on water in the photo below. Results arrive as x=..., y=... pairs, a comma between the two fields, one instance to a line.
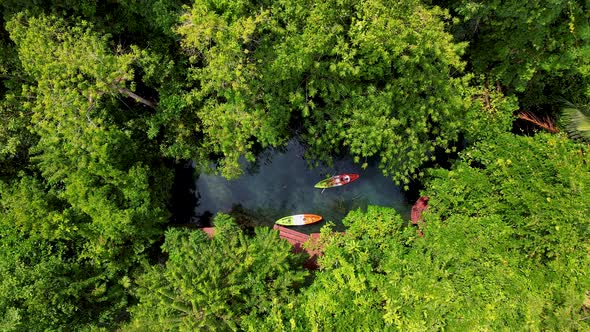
x=279, y=184
x=185, y=196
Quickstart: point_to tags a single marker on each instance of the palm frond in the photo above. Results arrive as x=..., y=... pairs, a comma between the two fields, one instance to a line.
x=577, y=122
x=544, y=122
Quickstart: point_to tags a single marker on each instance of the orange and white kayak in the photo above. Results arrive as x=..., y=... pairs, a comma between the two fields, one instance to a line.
x=299, y=219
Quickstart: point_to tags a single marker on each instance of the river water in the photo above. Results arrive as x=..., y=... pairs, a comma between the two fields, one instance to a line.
x=282, y=184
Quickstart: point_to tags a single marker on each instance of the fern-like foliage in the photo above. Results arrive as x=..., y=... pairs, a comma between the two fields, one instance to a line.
x=225, y=283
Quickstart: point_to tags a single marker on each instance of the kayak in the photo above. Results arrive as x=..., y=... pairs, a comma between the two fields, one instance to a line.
x=337, y=180
x=299, y=219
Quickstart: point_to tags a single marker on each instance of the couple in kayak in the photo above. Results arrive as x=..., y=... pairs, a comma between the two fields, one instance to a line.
x=340, y=180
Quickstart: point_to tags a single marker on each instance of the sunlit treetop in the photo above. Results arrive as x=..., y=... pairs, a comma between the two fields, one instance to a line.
x=381, y=79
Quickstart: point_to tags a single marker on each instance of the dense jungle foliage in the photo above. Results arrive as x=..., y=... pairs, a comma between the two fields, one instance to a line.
x=100, y=99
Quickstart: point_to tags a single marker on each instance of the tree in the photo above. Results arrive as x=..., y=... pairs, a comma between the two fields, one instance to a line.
x=104, y=182
x=535, y=48
x=348, y=290
x=537, y=184
x=538, y=187
x=378, y=78
x=490, y=113
x=382, y=275
x=88, y=146
x=218, y=283
x=46, y=281
x=467, y=272
x=15, y=137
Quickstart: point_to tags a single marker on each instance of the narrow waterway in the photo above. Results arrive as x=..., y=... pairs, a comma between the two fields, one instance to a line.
x=282, y=184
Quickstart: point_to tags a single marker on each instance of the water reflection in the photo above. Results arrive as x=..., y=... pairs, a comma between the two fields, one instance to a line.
x=281, y=184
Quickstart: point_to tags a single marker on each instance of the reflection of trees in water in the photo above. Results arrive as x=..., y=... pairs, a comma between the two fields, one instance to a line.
x=342, y=204
x=218, y=191
x=263, y=157
x=294, y=148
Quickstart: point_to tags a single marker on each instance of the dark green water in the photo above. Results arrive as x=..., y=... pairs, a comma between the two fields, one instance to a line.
x=282, y=184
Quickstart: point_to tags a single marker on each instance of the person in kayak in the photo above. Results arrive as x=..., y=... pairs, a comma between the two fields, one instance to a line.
x=339, y=180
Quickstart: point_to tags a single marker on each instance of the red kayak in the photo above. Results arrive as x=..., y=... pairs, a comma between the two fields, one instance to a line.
x=337, y=180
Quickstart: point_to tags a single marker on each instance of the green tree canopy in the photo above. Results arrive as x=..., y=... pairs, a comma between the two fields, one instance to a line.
x=539, y=185
x=97, y=189
x=377, y=78
x=88, y=145
x=96, y=98
x=15, y=136
x=466, y=273
x=539, y=48
x=220, y=283
x=539, y=188
x=47, y=280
